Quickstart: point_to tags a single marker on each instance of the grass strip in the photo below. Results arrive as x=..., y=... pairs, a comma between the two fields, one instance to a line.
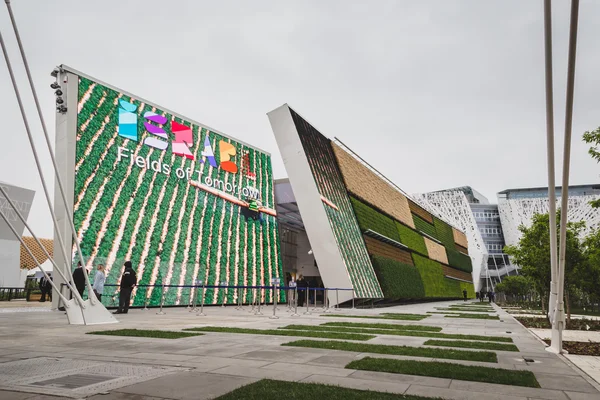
x=146, y=333
x=482, y=356
x=385, y=326
x=279, y=332
x=267, y=389
x=473, y=316
x=472, y=345
x=394, y=332
x=448, y=371
x=398, y=317
x=464, y=310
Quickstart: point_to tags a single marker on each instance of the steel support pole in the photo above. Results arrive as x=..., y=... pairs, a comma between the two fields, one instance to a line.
x=559, y=318
x=274, y=316
x=550, y=154
x=201, y=314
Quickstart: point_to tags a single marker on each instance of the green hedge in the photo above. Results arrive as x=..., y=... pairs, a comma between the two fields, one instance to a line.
x=444, y=232
x=432, y=275
x=369, y=218
x=424, y=226
x=398, y=280
x=459, y=261
x=412, y=239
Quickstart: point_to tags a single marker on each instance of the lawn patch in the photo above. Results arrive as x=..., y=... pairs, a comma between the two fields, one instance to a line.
x=472, y=345
x=483, y=356
x=573, y=324
x=399, y=327
x=267, y=389
x=398, y=332
x=465, y=309
x=146, y=333
x=447, y=370
x=399, y=317
x=473, y=316
x=279, y=332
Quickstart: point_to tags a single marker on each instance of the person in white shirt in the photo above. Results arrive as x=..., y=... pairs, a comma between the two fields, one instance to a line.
x=99, y=280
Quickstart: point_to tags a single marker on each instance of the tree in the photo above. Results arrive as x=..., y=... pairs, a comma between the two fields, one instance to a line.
x=518, y=285
x=532, y=255
x=593, y=138
x=589, y=270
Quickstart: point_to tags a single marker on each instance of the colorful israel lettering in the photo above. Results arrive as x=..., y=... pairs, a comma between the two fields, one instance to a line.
x=184, y=139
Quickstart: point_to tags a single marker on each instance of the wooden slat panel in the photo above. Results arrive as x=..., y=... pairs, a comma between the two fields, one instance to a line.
x=456, y=273
x=436, y=251
x=420, y=211
x=462, y=249
x=377, y=248
x=460, y=238
x=366, y=185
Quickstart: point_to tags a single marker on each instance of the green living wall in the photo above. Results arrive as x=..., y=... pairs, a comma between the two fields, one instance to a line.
x=398, y=280
x=425, y=226
x=459, y=261
x=432, y=275
x=369, y=218
x=444, y=233
x=411, y=239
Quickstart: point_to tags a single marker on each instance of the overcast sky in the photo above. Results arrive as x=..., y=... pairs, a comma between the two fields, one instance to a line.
x=435, y=94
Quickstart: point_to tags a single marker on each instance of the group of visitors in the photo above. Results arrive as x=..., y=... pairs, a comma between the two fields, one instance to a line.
x=491, y=296
x=128, y=282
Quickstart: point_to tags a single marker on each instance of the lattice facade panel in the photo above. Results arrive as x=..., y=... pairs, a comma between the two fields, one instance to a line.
x=516, y=212
x=29, y=263
x=453, y=207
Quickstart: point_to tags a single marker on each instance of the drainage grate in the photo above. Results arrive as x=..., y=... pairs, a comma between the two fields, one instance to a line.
x=75, y=381
x=74, y=378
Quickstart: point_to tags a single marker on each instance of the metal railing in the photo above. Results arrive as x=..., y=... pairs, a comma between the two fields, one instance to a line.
x=13, y=293
x=257, y=296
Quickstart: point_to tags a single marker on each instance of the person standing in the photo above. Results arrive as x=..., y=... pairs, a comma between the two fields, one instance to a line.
x=99, y=280
x=45, y=288
x=481, y=296
x=465, y=294
x=79, y=279
x=128, y=281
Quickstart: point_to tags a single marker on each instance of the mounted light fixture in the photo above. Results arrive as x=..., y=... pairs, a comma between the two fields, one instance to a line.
x=55, y=85
x=58, y=92
x=59, y=101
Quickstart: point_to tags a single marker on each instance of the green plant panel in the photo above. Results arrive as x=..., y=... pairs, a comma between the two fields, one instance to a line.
x=424, y=226
x=369, y=218
x=432, y=275
x=444, y=232
x=411, y=239
x=458, y=260
x=398, y=280
x=469, y=288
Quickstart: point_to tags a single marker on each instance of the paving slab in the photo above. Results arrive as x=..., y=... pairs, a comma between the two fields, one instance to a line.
x=562, y=382
x=479, y=387
x=188, y=385
x=582, y=396
x=261, y=373
x=453, y=394
x=400, y=378
x=309, y=369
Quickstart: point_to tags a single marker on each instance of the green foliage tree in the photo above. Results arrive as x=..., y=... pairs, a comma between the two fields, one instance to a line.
x=518, y=285
x=589, y=270
x=593, y=138
x=532, y=254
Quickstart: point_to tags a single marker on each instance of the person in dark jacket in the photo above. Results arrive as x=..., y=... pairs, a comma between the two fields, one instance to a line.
x=45, y=288
x=128, y=281
x=465, y=294
x=79, y=279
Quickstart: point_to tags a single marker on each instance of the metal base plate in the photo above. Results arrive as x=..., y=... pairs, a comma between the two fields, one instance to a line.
x=74, y=378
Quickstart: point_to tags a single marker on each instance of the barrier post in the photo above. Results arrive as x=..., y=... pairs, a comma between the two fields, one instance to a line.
x=224, y=293
x=259, y=312
x=274, y=303
x=162, y=300
x=146, y=300
x=253, y=300
x=201, y=313
x=326, y=301
x=353, y=299
x=239, y=301
x=315, y=302
x=337, y=300
x=295, y=314
x=194, y=295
